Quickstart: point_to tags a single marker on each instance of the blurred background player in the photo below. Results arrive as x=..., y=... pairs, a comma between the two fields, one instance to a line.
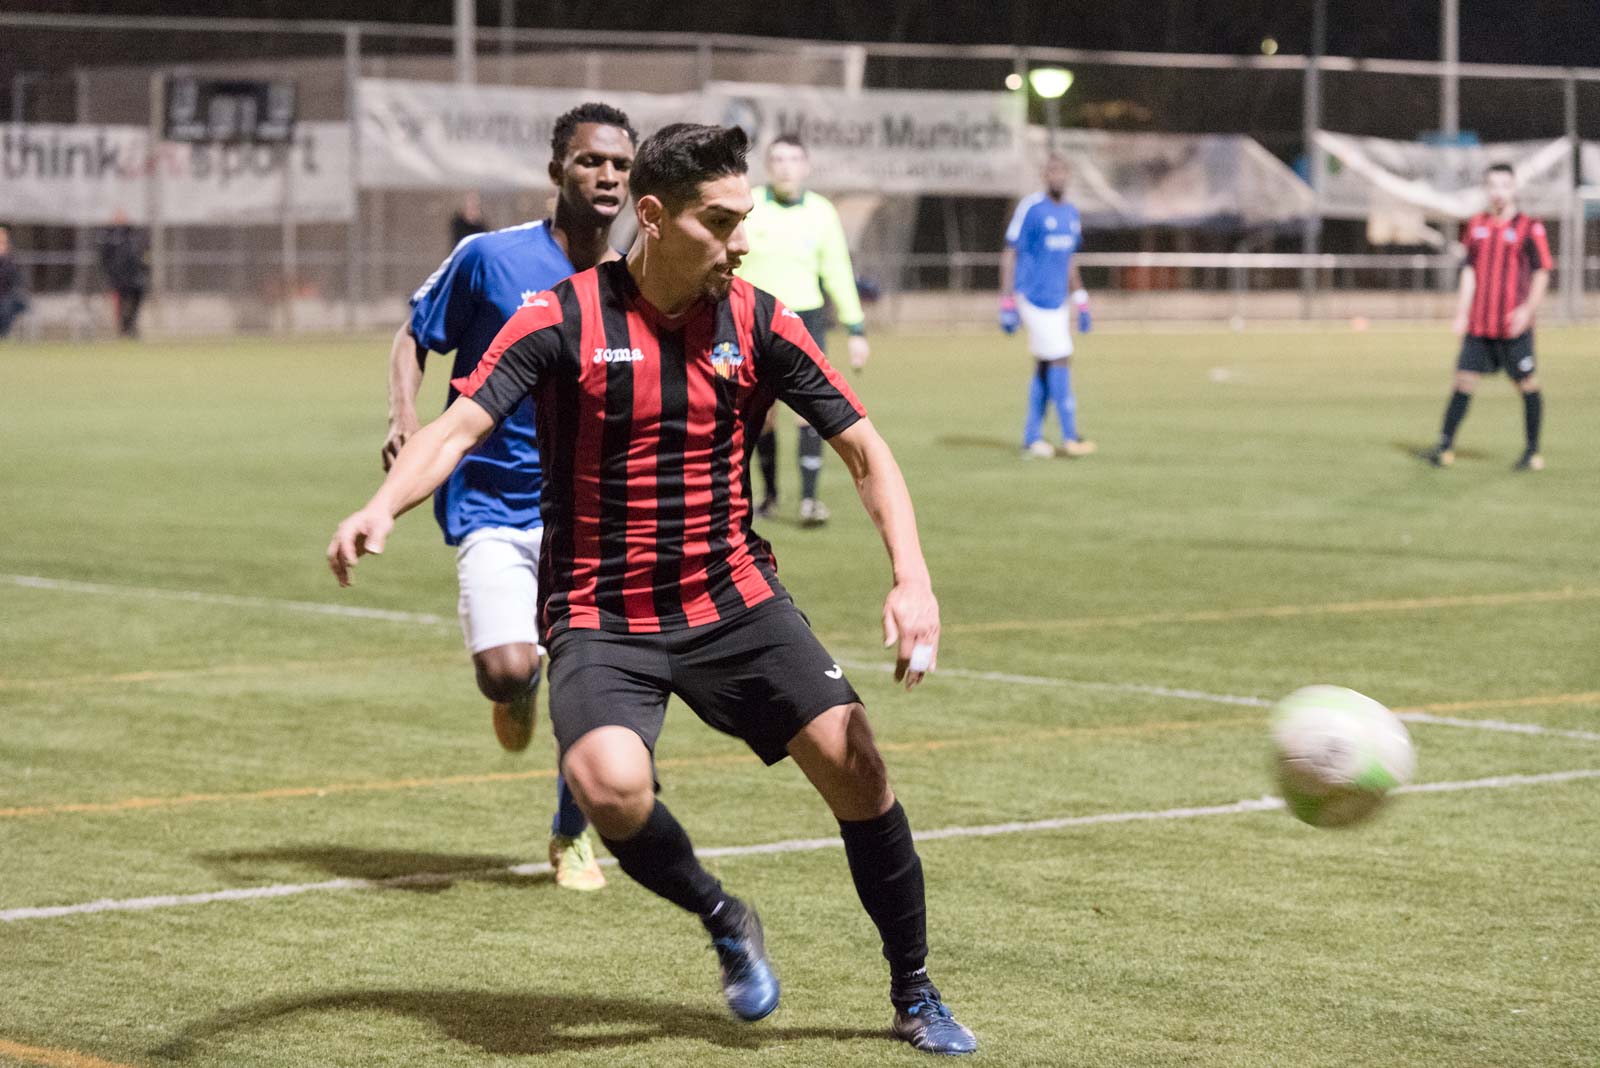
x=125, y=259
x=798, y=250
x=1503, y=281
x=489, y=506
x=13, y=300
x=1036, y=275
x=468, y=219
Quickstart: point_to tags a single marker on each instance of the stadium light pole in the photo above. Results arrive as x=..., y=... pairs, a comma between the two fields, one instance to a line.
x=1311, y=119
x=1051, y=84
x=1450, y=76
x=466, y=40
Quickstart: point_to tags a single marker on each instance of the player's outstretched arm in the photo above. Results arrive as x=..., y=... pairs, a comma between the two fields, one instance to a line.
x=425, y=462
x=910, y=612
x=406, y=361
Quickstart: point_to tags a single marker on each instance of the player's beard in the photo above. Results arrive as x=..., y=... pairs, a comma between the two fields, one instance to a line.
x=718, y=283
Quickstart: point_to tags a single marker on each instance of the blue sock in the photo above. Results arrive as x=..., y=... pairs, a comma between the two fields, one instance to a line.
x=1066, y=404
x=1037, y=402
x=569, y=820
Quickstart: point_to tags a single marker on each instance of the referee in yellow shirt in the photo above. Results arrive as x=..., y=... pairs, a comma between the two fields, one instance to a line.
x=797, y=250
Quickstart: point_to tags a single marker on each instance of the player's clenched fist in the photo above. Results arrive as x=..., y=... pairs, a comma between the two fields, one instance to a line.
x=363, y=532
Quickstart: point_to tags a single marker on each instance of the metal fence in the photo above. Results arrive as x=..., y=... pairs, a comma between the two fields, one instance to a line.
x=935, y=258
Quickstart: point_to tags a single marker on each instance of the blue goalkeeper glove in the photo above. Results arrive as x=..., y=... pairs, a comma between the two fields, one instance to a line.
x=1085, y=320
x=1010, y=320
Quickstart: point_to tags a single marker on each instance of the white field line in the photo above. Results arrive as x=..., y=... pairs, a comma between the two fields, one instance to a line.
x=34, y=582
x=795, y=845
x=430, y=619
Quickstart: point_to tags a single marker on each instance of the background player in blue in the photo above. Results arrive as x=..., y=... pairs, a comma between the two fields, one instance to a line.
x=489, y=506
x=1036, y=275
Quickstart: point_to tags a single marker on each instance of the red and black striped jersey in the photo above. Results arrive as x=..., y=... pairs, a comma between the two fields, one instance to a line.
x=1503, y=254
x=645, y=426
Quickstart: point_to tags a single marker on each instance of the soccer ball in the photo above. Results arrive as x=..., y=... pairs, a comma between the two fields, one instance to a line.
x=1339, y=754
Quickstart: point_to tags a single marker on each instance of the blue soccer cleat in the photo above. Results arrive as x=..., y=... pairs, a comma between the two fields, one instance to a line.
x=927, y=1025
x=747, y=979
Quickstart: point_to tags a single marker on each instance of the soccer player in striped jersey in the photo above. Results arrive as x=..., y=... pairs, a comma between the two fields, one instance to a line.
x=651, y=377
x=1037, y=273
x=797, y=250
x=1503, y=282
x=489, y=506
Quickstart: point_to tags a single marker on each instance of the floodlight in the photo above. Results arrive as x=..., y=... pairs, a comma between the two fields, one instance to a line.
x=1050, y=83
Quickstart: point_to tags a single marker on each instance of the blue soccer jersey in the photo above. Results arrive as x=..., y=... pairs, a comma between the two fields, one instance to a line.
x=459, y=309
x=1045, y=233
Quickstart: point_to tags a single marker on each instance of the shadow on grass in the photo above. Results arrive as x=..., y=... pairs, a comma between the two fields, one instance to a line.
x=1420, y=452
x=515, y=1024
x=397, y=869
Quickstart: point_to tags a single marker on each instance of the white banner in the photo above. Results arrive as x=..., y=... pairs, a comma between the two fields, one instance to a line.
x=1127, y=180
x=1371, y=176
x=886, y=141
x=87, y=175
x=439, y=135
x=1589, y=162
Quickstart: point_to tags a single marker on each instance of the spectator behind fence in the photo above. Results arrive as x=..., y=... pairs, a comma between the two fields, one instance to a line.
x=13, y=301
x=468, y=220
x=125, y=259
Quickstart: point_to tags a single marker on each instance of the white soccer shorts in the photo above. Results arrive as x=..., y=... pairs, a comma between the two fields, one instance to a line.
x=498, y=571
x=1049, y=331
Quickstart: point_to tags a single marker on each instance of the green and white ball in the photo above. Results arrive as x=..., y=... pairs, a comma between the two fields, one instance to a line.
x=1339, y=754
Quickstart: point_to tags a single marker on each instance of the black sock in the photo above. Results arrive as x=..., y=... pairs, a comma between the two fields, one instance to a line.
x=1532, y=417
x=810, y=462
x=888, y=877
x=659, y=858
x=1454, y=412
x=767, y=454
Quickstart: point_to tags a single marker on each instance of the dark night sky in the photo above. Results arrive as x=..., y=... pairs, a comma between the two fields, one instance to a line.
x=1556, y=32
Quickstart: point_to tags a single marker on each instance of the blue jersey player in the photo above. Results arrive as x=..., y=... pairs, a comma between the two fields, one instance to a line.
x=1037, y=275
x=489, y=506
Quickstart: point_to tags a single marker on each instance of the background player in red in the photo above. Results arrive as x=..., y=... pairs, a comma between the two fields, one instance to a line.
x=651, y=377
x=1503, y=282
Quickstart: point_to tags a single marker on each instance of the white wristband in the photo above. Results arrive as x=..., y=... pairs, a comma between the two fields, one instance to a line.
x=1080, y=297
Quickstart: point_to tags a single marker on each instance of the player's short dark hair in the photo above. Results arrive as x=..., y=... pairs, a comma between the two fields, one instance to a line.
x=595, y=112
x=789, y=139
x=1506, y=167
x=674, y=161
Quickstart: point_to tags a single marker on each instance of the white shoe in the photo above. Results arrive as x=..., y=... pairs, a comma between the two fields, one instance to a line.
x=813, y=513
x=1041, y=449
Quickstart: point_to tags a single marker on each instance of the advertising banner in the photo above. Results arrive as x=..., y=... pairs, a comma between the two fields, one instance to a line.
x=1367, y=176
x=80, y=175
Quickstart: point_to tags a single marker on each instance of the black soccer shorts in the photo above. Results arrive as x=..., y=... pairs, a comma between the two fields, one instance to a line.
x=1486, y=355
x=760, y=676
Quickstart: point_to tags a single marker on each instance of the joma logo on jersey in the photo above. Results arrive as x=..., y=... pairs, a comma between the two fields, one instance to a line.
x=617, y=355
x=725, y=359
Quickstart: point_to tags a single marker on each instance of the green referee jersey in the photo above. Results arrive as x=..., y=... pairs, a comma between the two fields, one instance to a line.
x=797, y=250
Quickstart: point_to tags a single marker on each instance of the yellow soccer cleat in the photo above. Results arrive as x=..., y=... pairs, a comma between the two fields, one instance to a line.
x=1077, y=448
x=574, y=863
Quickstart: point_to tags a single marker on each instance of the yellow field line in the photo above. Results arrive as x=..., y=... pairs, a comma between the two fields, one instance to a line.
x=1592, y=697
x=51, y=1057
x=166, y=675
x=1281, y=611
x=280, y=793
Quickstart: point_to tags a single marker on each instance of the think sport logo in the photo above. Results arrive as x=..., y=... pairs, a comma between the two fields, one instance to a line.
x=725, y=359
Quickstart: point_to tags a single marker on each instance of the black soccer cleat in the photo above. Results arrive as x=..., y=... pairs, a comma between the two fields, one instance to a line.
x=1531, y=461
x=926, y=1023
x=747, y=980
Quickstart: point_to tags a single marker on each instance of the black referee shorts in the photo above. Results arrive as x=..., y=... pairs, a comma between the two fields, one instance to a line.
x=760, y=676
x=1486, y=355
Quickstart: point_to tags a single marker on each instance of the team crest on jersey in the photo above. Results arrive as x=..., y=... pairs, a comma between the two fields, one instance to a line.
x=725, y=359
x=530, y=299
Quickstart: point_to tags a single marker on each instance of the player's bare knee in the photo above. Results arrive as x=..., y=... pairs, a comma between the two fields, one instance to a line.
x=505, y=671
x=1465, y=381
x=838, y=754
x=1529, y=384
x=612, y=780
